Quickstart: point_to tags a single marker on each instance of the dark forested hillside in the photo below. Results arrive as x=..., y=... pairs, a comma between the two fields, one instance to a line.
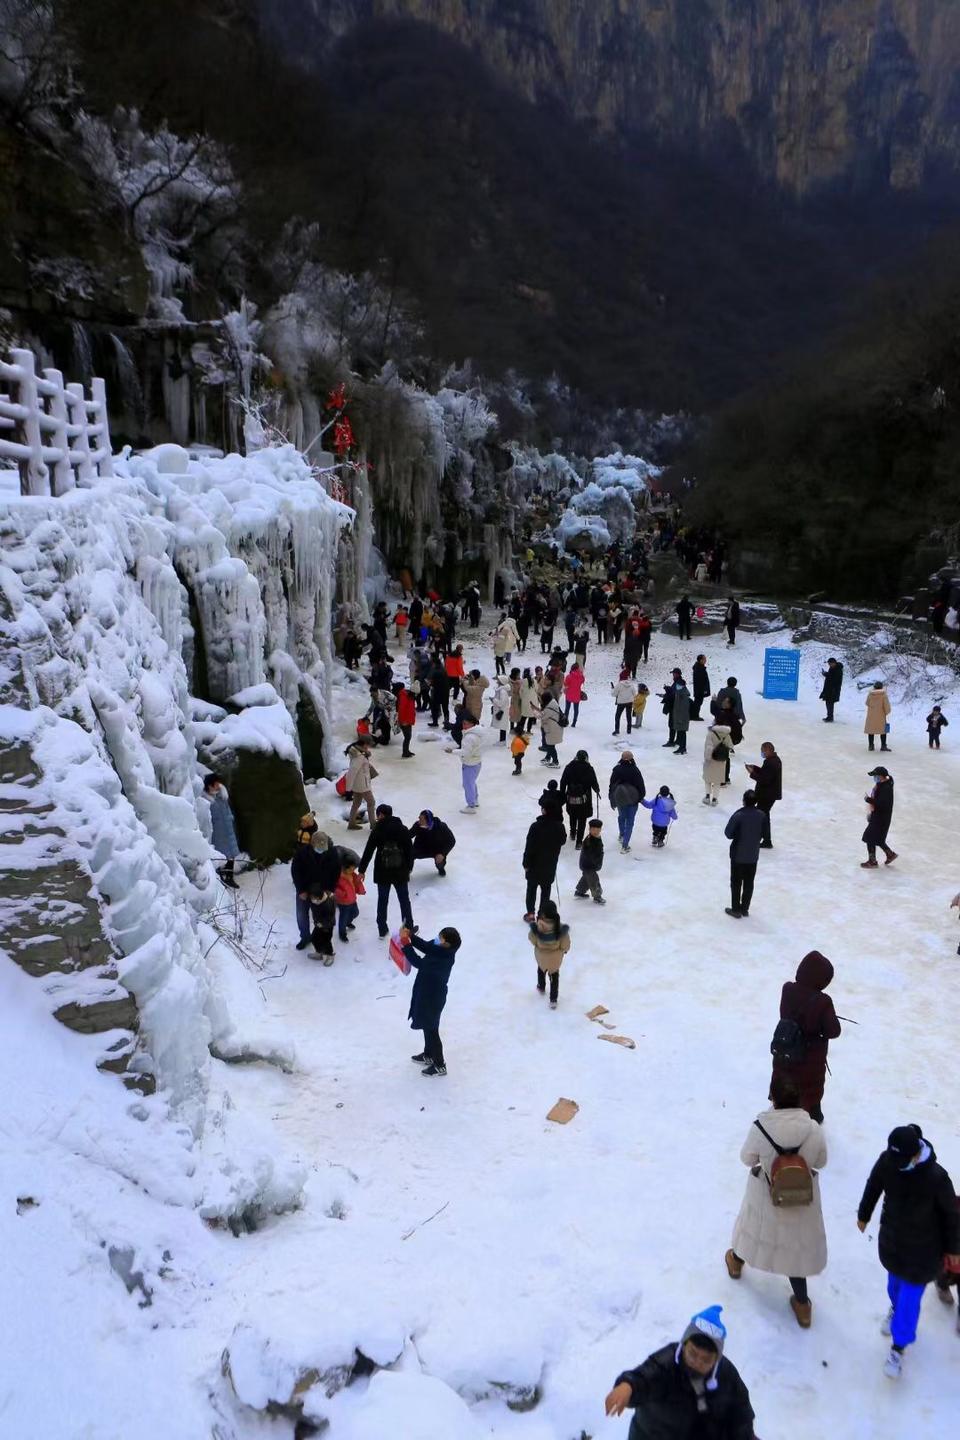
x=847, y=475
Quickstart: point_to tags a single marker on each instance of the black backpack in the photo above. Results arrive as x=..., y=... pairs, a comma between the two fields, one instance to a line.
x=719, y=751
x=392, y=859
x=789, y=1044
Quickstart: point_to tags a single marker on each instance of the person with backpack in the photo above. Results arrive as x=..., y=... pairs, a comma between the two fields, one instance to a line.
x=578, y=785
x=832, y=685
x=433, y=961
x=551, y=728
x=687, y=1390
x=717, y=749
x=432, y=839
x=880, y=804
x=768, y=787
x=808, y=1022
x=744, y=830
x=780, y=1225
x=591, y=863
x=545, y=839
x=663, y=810
x=625, y=792
x=919, y=1231
x=551, y=941
x=390, y=843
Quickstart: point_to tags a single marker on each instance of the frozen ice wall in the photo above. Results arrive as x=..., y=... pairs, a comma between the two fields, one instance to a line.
x=97, y=588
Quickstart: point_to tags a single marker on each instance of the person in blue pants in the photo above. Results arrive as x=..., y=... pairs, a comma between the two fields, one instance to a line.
x=625, y=792
x=919, y=1230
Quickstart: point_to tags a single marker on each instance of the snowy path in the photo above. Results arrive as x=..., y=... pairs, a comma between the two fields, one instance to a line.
x=575, y=1250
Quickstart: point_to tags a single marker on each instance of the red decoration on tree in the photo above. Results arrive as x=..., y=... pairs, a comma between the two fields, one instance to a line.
x=337, y=398
x=343, y=437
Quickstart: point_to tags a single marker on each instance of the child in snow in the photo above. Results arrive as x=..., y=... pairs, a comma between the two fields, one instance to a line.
x=935, y=723
x=349, y=886
x=550, y=941
x=518, y=748
x=664, y=809
x=551, y=801
x=591, y=862
x=640, y=704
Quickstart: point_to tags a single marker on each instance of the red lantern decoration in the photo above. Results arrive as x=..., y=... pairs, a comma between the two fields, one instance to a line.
x=337, y=398
x=343, y=437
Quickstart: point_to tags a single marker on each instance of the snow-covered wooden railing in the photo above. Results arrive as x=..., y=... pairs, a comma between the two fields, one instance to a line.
x=54, y=433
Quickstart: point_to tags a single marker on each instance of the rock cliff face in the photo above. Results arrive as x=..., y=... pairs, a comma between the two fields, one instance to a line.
x=858, y=94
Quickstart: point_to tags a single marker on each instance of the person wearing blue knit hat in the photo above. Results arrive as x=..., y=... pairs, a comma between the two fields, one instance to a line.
x=686, y=1391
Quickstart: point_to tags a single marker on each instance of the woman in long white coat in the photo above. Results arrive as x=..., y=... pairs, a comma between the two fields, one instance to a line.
x=714, y=771
x=782, y=1240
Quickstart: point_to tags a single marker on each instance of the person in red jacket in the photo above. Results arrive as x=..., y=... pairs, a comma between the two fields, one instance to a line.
x=455, y=671
x=406, y=717
x=802, y=1000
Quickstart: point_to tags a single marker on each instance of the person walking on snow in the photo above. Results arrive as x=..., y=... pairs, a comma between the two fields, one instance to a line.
x=685, y=618
x=718, y=739
x=500, y=708
x=625, y=792
x=624, y=694
x=471, y=760
x=686, y=1391
x=390, y=843
x=551, y=727
x=781, y=1239
x=880, y=805
x=731, y=620
x=505, y=641
x=545, y=839
x=551, y=941
x=591, y=863
x=573, y=693
x=876, y=721
x=433, y=961
x=768, y=787
x=663, y=810
x=680, y=715
x=578, y=785
x=224, y=835
x=832, y=685
x=701, y=686
x=360, y=777
x=406, y=717
x=919, y=1230
x=800, y=1047
x=744, y=830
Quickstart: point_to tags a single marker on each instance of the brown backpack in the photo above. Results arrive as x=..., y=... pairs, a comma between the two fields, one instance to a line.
x=790, y=1179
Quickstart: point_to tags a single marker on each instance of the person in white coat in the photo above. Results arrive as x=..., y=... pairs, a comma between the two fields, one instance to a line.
x=551, y=727
x=470, y=762
x=782, y=1240
x=624, y=694
x=500, y=711
x=714, y=771
x=505, y=641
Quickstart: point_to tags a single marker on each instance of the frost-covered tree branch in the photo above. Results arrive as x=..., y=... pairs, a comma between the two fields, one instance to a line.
x=35, y=68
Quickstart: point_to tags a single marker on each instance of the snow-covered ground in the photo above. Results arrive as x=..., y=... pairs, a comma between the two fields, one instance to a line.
x=560, y=1254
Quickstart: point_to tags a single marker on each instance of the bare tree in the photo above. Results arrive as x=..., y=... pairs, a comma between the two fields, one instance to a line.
x=36, y=74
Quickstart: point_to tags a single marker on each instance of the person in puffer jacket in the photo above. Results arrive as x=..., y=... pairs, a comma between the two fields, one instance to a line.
x=624, y=694
x=664, y=812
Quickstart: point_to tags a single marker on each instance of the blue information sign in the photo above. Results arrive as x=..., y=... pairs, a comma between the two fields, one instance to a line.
x=781, y=674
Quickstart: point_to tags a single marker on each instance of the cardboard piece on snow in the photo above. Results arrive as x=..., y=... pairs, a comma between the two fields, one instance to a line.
x=597, y=1011
x=620, y=1040
x=608, y=1025
x=563, y=1112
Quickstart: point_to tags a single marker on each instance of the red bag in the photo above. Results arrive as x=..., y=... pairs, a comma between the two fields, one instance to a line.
x=341, y=785
x=395, y=951
x=700, y=612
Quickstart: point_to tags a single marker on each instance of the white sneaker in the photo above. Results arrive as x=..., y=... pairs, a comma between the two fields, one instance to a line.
x=468, y=809
x=705, y=800
x=887, y=1322
x=893, y=1369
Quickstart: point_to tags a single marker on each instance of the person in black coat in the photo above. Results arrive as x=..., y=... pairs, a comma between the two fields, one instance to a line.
x=545, y=839
x=433, y=961
x=880, y=801
x=832, y=685
x=685, y=618
x=686, y=1391
x=668, y=696
x=919, y=1229
x=391, y=843
x=701, y=686
x=315, y=870
x=768, y=787
x=432, y=839
x=731, y=620
x=744, y=830
x=578, y=785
